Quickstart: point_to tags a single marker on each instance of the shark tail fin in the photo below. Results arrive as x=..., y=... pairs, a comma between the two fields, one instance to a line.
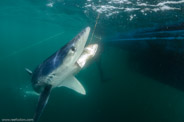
x=42, y=102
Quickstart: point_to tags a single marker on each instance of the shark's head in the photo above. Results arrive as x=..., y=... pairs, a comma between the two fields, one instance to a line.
x=75, y=47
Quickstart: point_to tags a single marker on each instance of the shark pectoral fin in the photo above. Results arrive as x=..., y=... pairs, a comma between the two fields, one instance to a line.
x=29, y=71
x=73, y=83
x=42, y=102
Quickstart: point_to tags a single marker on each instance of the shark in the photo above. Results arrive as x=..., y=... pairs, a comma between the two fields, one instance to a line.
x=59, y=69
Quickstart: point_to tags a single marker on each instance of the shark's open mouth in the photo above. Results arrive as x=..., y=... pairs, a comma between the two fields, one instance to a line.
x=87, y=54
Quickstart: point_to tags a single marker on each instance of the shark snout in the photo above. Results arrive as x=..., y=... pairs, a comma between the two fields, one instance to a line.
x=80, y=42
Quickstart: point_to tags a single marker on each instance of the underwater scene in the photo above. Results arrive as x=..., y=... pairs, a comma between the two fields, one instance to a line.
x=92, y=60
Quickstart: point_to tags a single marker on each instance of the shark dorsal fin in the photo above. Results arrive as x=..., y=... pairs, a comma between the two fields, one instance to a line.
x=72, y=83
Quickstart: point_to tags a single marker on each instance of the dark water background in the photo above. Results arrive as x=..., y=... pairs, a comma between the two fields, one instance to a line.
x=31, y=30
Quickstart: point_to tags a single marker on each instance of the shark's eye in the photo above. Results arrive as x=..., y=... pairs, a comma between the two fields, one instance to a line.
x=73, y=48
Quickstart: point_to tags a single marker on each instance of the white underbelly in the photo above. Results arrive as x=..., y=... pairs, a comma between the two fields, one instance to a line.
x=57, y=77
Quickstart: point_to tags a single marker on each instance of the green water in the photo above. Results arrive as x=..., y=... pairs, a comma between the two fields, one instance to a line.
x=30, y=31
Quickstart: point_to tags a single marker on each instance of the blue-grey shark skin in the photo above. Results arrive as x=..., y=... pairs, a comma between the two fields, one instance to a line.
x=59, y=70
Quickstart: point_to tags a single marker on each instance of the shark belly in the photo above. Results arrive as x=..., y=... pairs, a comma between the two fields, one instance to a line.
x=58, y=76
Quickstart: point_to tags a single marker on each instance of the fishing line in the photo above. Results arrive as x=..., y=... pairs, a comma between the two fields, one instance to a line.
x=95, y=28
x=31, y=46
